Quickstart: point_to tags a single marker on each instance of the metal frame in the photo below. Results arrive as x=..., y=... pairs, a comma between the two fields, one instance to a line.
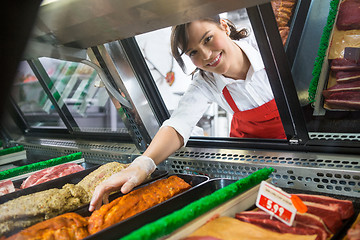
x=277, y=67
x=337, y=174
x=45, y=81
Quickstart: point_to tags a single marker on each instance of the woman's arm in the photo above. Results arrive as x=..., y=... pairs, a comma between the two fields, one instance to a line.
x=166, y=141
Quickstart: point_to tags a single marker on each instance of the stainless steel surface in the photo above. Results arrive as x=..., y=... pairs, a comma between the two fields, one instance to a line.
x=318, y=172
x=337, y=174
x=87, y=23
x=308, y=48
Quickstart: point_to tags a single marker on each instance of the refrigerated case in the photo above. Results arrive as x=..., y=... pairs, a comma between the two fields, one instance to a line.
x=52, y=112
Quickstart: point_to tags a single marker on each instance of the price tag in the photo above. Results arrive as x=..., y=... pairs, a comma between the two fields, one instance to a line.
x=276, y=202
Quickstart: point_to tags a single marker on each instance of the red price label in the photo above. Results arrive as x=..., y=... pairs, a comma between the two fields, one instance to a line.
x=276, y=202
x=275, y=208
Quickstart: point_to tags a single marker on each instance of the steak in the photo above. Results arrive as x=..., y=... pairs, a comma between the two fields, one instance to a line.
x=349, y=15
x=328, y=213
x=280, y=227
x=6, y=186
x=300, y=218
x=50, y=174
x=345, y=207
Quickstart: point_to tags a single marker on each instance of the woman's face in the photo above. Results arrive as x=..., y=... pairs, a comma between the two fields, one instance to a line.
x=209, y=47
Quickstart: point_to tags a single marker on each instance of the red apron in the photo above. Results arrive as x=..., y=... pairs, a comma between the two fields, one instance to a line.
x=260, y=122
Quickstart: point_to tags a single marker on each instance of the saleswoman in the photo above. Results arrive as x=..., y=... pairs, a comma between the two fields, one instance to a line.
x=231, y=73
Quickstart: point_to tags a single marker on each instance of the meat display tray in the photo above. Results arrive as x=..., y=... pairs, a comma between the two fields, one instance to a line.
x=246, y=201
x=348, y=222
x=61, y=181
x=201, y=188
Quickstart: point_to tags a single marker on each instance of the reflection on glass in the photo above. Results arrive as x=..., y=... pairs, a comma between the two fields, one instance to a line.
x=216, y=121
x=76, y=88
x=31, y=98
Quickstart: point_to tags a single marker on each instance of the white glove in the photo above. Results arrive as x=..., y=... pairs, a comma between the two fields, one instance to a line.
x=126, y=179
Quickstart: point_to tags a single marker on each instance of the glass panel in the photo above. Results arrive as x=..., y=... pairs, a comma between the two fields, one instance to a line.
x=76, y=88
x=326, y=121
x=31, y=98
x=156, y=49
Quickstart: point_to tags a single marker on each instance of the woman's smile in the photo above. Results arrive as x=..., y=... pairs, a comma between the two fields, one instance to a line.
x=215, y=62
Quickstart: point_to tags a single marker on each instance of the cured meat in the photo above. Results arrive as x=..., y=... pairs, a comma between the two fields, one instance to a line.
x=50, y=174
x=136, y=202
x=69, y=226
x=6, y=186
x=232, y=229
x=343, y=77
x=283, y=10
x=280, y=227
x=349, y=15
x=343, y=64
x=345, y=207
x=353, y=87
x=329, y=214
x=344, y=100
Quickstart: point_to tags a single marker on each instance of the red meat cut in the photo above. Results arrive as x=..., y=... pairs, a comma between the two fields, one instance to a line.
x=329, y=214
x=51, y=173
x=343, y=64
x=342, y=77
x=280, y=227
x=6, y=186
x=349, y=15
x=343, y=87
x=346, y=207
x=300, y=218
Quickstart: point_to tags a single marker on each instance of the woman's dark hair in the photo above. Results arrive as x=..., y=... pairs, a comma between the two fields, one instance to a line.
x=180, y=38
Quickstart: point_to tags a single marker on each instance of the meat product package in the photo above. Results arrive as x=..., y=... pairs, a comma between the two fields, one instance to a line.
x=136, y=202
x=68, y=226
x=27, y=210
x=6, y=186
x=50, y=174
x=232, y=229
x=283, y=10
x=349, y=15
x=343, y=91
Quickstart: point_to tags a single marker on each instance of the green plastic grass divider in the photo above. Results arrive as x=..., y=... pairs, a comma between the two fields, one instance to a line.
x=39, y=165
x=11, y=150
x=324, y=44
x=177, y=219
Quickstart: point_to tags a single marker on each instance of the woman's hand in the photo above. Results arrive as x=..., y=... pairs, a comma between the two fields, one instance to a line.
x=125, y=180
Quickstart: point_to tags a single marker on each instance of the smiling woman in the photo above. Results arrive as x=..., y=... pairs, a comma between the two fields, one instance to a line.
x=230, y=73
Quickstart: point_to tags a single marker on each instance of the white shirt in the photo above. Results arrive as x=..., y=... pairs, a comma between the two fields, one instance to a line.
x=250, y=93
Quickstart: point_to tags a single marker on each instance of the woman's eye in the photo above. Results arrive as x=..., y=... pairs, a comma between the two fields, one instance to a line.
x=207, y=39
x=192, y=53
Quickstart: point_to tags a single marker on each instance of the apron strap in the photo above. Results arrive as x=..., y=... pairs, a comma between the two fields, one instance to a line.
x=230, y=100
